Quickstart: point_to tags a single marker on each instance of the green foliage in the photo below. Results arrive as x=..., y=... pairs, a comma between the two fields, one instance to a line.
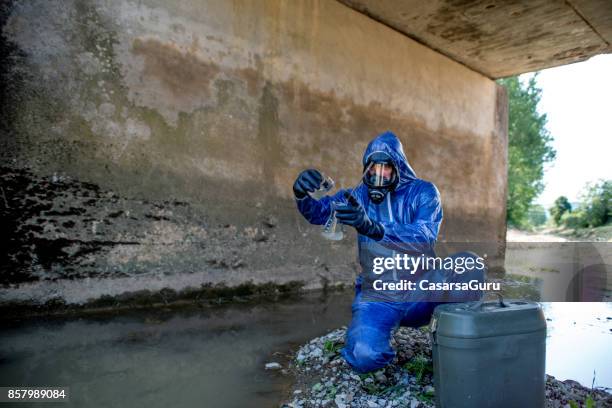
x=590, y=403
x=332, y=347
x=419, y=366
x=528, y=148
x=574, y=220
x=560, y=207
x=331, y=393
x=427, y=397
x=375, y=388
x=596, y=202
x=594, y=210
x=370, y=387
x=536, y=215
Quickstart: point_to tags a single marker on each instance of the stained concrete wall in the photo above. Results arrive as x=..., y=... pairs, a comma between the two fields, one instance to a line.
x=153, y=144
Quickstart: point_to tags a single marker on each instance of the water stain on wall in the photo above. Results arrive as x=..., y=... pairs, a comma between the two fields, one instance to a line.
x=181, y=72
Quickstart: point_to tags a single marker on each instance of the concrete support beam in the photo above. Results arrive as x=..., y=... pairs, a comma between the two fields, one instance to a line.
x=501, y=38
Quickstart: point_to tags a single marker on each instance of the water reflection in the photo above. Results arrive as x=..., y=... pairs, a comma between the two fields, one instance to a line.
x=579, y=342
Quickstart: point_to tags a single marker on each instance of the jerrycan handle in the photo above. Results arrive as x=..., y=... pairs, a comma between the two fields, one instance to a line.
x=479, y=304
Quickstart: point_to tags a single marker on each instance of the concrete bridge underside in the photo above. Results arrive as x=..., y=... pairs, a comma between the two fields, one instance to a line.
x=499, y=38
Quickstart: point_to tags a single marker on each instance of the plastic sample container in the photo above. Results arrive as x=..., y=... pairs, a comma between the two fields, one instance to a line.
x=489, y=354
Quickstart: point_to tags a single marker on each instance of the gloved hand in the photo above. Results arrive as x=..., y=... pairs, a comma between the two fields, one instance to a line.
x=307, y=182
x=354, y=214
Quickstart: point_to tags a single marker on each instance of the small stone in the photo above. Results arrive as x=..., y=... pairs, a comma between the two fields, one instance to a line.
x=317, y=352
x=340, y=404
x=273, y=366
x=372, y=404
x=261, y=238
x=429, y=389
x=380, y=377
x=270, y=221
x=296, y=392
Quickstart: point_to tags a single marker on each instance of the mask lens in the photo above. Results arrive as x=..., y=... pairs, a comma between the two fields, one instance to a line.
x=379, y=174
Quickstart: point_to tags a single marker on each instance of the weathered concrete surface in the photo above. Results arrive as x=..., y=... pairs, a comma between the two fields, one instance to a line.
x=500, y=38
x=151, y=143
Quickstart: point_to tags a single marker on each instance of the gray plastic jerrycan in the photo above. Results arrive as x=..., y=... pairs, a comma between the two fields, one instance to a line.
x=489, y=354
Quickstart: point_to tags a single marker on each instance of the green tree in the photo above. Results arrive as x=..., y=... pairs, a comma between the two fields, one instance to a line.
x=529, y=148
x=596, y=203
x=560, y=207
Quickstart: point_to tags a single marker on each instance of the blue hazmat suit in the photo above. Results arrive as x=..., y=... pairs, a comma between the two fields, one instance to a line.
x=411, y=215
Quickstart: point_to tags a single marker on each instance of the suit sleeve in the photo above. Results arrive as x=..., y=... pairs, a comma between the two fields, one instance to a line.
x=317, y=211
x=421, y=234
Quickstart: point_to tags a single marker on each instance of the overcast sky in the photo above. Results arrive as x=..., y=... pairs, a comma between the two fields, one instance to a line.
x=577, y=100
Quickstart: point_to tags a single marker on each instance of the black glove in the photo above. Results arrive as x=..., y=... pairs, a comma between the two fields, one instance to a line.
x=307, y=182
x=354, y=214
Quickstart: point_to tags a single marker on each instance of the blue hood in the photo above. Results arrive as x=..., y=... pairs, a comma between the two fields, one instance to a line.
x=388, y=143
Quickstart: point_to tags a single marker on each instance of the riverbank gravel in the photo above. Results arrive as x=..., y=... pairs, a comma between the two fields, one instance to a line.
x=324, y=379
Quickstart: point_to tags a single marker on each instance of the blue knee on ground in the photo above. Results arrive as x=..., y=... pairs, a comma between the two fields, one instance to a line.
x=363, y=358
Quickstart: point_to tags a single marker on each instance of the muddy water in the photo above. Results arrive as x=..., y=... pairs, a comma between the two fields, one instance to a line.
x=214, y=357
x=188, y=358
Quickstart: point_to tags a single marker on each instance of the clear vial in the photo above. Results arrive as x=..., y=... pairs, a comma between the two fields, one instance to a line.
x=326, y=185
x=331, y=230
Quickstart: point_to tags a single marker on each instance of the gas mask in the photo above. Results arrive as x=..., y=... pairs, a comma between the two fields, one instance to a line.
x=380, y=176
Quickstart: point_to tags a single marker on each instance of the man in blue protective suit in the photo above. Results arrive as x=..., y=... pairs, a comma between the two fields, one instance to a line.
x=394, y=213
